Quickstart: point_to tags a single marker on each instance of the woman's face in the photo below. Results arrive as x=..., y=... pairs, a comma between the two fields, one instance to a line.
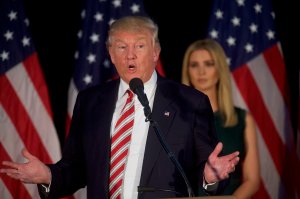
x=202, y=71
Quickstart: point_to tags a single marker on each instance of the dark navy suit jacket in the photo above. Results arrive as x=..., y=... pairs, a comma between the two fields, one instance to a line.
x=183, y=114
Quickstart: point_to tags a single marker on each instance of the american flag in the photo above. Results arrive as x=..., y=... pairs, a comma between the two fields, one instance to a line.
x=246, y=30
x=92, y=63
x=25, y=112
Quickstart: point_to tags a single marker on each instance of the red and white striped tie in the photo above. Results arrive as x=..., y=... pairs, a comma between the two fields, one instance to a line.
x=119, y=147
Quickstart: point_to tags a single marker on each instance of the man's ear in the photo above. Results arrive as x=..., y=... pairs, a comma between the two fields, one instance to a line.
x=111, y=55
x=156, y=54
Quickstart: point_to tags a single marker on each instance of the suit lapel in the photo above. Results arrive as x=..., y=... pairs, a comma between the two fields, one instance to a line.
x=163, y=114
x=100, y=144
x=106, y=107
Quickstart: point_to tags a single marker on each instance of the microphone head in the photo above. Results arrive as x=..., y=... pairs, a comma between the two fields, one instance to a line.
x=136, y=83
x=137, y=86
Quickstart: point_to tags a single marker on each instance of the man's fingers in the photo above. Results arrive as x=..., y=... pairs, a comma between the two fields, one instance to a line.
x=13, y=175
x=217, y=150
x=11, y=172
x=236, y=160
x=10, y=164
x=231, y=168
x=26, y=154
x=233, y=157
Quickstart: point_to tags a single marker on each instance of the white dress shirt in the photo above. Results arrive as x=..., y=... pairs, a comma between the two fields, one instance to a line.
x=134, y=162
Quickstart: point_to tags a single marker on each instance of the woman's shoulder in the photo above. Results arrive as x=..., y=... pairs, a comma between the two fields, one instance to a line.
x=241, y=112
x=244, y=115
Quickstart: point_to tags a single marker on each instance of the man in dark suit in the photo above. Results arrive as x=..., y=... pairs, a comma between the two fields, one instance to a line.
x=183, y=114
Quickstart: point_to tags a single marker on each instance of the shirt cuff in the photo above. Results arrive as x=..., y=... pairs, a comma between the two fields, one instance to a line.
x=46, y=187
x=209, y=186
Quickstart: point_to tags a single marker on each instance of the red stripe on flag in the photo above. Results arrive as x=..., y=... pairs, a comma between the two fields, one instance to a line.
x=15, y=187
x=276, y=64
x=262, y=192
x=160, y=69
x=280, y=155
x=31, y=64
x=68, y=125
x=14, y=108
x=254, y=101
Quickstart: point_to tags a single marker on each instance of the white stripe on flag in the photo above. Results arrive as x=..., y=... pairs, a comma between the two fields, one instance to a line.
x=13, y=145
x=270, y=177
x=268, y=172
x=72, y=95
x=81, y=194
x=22, y=84
x=5, y=194
x=272, y=97
x=11, y=140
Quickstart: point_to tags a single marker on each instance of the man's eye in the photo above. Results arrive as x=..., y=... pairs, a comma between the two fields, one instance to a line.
x=140, y=46
x=121, y=47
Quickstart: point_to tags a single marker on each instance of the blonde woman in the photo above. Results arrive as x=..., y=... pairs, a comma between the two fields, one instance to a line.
x=205, y=68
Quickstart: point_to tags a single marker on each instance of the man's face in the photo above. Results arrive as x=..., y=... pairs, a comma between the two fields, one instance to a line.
x=133, y=54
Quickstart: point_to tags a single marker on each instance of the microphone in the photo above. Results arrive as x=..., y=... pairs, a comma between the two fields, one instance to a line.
x=137, y=86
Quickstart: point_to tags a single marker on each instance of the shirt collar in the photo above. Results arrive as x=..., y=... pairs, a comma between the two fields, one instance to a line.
x=148, y=86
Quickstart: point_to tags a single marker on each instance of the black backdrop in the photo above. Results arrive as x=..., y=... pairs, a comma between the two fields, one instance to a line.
x=54, y=25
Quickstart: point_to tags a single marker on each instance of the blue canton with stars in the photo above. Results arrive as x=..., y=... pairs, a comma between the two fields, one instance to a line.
x=92, y=62
x=244, y=28
x=15, y=40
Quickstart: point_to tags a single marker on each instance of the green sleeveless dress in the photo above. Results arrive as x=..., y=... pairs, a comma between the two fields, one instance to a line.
x=233, y=140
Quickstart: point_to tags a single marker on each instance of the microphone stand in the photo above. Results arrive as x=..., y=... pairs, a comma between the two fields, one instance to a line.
x=158, y=132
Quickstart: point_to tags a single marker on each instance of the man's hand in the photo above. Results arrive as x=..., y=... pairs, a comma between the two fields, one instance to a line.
x=218, y=168
x=33, y=171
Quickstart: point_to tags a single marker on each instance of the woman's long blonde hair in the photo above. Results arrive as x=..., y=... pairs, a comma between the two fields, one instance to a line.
x=224, y=93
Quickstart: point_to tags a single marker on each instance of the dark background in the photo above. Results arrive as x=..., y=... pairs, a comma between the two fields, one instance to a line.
x=54, y=25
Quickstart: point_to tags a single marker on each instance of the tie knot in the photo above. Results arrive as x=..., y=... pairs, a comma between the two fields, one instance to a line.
x=130, y=94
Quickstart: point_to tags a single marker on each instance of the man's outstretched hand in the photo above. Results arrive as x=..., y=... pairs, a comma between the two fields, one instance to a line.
x=33, y=171
x=219, y=168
